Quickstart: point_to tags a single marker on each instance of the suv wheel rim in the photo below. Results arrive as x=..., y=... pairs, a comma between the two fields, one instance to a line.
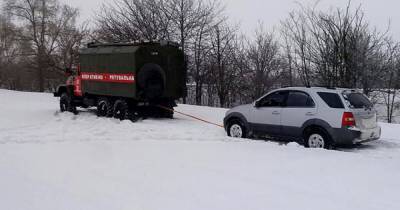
x=236, y=131
x=316, y=141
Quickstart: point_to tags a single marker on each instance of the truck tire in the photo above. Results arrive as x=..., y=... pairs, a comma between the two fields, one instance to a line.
x=66, y=104
x=104, y=108
x=121, y=110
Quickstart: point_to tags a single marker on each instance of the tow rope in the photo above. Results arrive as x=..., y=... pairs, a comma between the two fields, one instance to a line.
x=191, y=116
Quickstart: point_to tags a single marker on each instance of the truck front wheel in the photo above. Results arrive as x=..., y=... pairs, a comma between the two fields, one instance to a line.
x=66, y=104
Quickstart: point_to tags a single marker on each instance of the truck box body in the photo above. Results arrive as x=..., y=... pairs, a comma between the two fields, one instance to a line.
x=114, y=70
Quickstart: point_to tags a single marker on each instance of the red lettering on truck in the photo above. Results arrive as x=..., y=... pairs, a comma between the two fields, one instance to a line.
x=78, y=86
x=107, y=77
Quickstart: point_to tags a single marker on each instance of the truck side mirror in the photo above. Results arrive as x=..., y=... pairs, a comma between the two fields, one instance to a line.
x=68, y=71
x=257, y=104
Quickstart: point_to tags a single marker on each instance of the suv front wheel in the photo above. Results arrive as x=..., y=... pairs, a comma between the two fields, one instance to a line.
x=236, y=129
x=317, y=138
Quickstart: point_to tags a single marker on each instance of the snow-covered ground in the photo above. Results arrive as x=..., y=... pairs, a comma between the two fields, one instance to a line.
x=53, y=161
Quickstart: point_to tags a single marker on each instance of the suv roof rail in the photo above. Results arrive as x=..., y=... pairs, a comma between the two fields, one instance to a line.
x=308, y=86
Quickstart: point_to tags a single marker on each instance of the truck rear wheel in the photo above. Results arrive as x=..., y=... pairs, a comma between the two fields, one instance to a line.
x=104, y=108
x=121, y=110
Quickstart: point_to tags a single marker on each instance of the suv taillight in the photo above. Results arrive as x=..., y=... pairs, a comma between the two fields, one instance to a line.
x=348, y=120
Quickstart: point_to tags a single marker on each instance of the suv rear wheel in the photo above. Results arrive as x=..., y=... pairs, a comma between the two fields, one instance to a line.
x=317, y=138
x=236, y=129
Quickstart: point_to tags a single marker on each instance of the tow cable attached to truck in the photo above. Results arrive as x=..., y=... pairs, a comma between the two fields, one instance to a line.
x=191, y=116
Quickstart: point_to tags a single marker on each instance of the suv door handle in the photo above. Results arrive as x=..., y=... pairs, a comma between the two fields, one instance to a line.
x=276, y=113
x=310, y=114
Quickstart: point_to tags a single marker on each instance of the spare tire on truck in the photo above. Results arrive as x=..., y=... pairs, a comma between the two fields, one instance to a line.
x=151, y=81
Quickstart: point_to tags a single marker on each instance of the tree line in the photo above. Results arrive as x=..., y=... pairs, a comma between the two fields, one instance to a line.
x=38, y=40
x=311, y=47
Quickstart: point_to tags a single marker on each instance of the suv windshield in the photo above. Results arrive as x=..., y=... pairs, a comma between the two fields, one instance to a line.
x=357, y=100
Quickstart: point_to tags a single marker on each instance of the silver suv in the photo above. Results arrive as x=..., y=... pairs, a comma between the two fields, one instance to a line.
x=316, y=117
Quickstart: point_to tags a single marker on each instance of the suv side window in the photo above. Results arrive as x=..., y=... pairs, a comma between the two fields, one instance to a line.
x=332, y=99
x=299, y=99
x=276, y=99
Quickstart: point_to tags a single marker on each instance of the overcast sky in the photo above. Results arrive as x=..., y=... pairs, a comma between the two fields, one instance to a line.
x=249, y=12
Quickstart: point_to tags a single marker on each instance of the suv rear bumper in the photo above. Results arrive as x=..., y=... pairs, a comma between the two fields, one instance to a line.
x=369, y=135
x=348, y=136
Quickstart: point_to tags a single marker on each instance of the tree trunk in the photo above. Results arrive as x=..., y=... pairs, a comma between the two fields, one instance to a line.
x=199, y=93
x=40, y=69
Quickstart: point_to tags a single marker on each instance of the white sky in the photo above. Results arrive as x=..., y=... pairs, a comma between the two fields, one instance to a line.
x=249, y=12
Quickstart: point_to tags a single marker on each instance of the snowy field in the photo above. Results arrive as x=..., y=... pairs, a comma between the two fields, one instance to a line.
x=52, y=161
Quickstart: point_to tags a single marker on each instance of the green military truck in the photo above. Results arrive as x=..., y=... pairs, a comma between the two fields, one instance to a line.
x=126, y=81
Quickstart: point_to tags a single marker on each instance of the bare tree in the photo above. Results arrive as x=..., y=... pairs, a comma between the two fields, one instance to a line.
x=44, y=22
x=222, y=60
x=241, y=68
x=190, y=17
x=289, y=75
x=188, y=22
x=391, y=69
x=134, y=20
x=333, y=48
x=9, y=51
x=199, y=50
x=67, y=54
x=264, y=60
x=294, y=29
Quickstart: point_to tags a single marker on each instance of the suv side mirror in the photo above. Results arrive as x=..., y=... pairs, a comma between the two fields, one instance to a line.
x=257, y=104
